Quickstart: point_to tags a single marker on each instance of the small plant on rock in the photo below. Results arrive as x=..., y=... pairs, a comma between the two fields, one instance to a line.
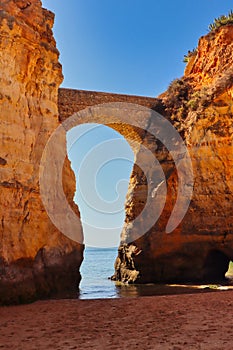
x=199, y=99
x=221, y=21
x=189, y=55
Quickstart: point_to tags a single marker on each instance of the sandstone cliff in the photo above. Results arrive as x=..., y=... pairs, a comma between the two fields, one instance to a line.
x=36, y=260
x=200, y=105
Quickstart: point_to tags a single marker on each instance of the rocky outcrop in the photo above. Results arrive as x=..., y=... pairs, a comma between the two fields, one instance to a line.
x=36, y=260
x=200, y=105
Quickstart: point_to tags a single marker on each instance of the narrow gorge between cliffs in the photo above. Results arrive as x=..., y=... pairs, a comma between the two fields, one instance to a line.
x=102, y=161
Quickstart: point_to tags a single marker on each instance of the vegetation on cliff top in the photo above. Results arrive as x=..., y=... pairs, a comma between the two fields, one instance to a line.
x=217, y=23
x=221, y=21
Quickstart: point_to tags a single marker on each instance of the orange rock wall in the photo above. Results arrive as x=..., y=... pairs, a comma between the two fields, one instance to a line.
x=202, y=245
x=30, y=74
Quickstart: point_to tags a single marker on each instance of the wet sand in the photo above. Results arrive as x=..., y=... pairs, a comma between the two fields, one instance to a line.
x=190, y=321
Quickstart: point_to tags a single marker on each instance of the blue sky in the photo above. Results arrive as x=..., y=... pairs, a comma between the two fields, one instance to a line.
x=102, y=161
x=130, y=47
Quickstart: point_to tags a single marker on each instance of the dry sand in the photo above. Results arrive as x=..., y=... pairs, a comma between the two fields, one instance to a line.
x=191, y=321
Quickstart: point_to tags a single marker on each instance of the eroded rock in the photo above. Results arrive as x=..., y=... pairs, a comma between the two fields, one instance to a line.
x=36, y=260
x=200, y=105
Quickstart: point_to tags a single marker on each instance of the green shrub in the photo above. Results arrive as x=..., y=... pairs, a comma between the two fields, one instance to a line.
x=189, y=55
x=199, y=99
x=221, y=21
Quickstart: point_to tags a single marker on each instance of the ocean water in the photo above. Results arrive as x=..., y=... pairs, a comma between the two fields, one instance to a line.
x=98, y=266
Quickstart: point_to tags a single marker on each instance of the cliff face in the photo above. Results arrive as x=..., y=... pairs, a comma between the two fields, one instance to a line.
x=36, y=260
x=200, y=105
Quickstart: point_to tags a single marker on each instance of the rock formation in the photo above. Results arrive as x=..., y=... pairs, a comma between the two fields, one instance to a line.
x=36, y=260
x=200, y=105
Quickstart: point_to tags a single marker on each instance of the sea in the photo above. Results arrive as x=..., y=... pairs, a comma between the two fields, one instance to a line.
x=98, y=267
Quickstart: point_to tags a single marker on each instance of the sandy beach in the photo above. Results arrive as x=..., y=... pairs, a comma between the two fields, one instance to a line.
x=192, y=321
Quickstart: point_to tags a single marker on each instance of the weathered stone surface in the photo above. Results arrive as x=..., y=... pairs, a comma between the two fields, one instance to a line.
x=36, y=260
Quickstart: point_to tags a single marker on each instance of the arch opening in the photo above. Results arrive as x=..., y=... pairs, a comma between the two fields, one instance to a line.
x=216, y=266
x=102, y=161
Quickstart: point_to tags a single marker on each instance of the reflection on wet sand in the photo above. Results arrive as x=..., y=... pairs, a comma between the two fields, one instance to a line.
x=165, y=289
x=136, y=290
